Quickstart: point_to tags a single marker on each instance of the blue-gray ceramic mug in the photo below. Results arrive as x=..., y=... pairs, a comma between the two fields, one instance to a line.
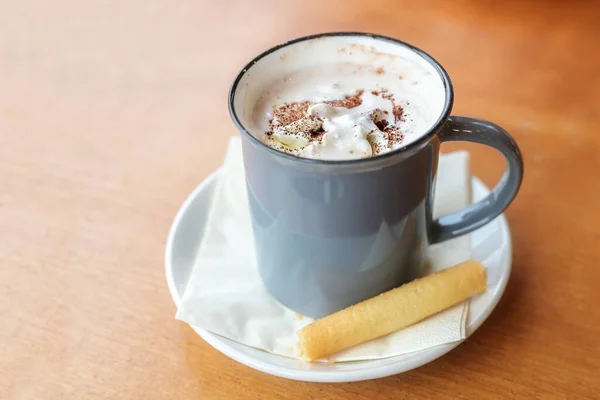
x=318, y=223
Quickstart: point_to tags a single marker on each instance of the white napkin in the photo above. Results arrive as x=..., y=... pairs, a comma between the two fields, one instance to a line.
x=225, y=294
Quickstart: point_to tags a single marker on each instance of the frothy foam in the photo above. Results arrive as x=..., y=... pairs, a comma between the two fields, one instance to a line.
x=345, y=97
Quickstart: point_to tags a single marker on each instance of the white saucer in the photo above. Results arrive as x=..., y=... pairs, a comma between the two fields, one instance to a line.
x=491, y=245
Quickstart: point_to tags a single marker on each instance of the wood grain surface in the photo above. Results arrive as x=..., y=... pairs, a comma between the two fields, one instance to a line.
x=111, y=112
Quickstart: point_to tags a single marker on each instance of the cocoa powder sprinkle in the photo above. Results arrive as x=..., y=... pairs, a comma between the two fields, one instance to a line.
x=348, y=102
x=288, y=113
x=398, y=113
x=291, y=112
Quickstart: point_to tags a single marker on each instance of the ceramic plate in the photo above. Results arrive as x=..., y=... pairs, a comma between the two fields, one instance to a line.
x=490, y=244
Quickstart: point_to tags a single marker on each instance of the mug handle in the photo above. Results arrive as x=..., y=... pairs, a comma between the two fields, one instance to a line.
x=465, y=129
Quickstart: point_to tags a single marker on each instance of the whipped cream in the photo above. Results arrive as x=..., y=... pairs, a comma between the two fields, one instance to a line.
x=327, y=131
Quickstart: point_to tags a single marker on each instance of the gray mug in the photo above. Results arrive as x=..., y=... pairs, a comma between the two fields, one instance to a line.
x=318, y=223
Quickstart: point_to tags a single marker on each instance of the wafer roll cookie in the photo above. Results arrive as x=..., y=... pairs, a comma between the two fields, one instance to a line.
x=392, y=310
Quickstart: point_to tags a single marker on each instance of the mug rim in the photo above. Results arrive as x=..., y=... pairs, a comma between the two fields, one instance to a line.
x=417, y=144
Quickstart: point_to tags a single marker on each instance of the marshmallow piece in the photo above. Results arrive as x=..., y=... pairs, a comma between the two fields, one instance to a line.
x=296, y=135
x=378, y=140
x=291, y=140
x=322, y=110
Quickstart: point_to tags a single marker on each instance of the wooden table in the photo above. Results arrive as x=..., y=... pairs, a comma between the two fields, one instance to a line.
x=112, y=112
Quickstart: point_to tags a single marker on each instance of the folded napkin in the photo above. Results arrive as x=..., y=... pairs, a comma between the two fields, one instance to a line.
x=225, y=294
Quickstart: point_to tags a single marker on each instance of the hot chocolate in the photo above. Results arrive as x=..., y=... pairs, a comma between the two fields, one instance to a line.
x=338, y=98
